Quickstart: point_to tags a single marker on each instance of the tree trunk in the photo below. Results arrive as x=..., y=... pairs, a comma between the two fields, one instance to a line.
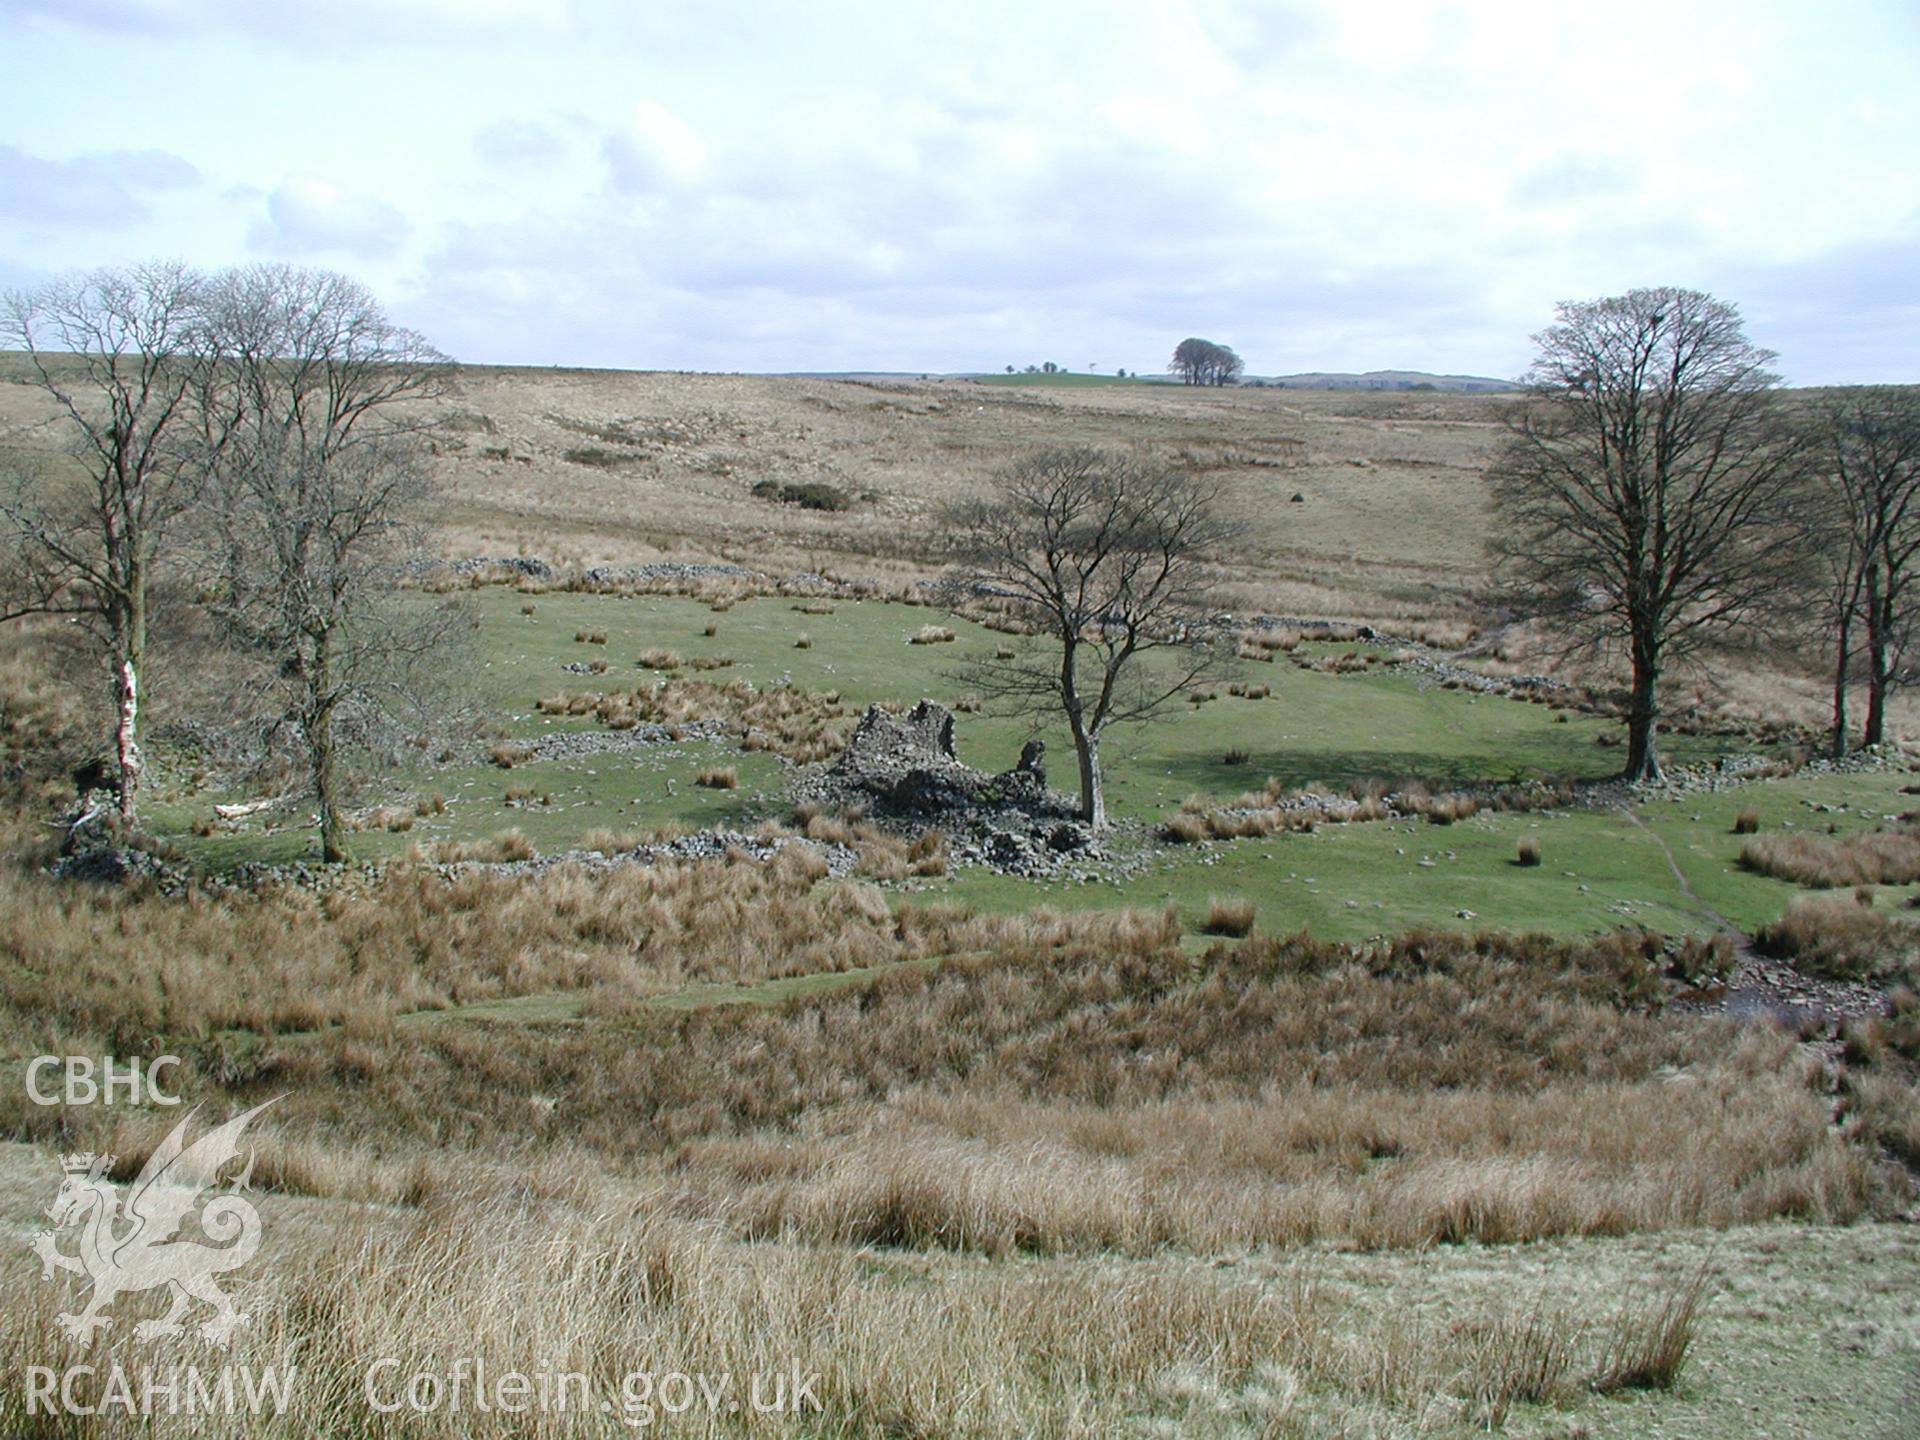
x=1643, y=712
x=126, y=734
x=1843, y=641
x=1878, y=625
x=1093, y=800
x=333, y=830
x=129, y=660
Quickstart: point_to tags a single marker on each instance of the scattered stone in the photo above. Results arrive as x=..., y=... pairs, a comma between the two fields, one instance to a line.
x=901, y=769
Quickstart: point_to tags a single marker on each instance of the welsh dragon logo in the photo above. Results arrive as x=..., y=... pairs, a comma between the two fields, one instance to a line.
x=122, y=1251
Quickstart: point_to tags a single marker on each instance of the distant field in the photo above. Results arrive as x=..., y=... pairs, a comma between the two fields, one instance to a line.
x=1390, y=521
x=1067, y=379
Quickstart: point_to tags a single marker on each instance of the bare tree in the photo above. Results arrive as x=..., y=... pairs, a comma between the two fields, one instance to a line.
x=1191, y=358
x=124, y=356
x=1107, y=559
x=1201, y=362
x=1871, y=438
x=1649, y=493
x=320, y=493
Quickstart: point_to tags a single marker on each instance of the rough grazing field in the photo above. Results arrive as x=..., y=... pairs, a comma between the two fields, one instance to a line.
x=1375, y=1129
x=1392, y=513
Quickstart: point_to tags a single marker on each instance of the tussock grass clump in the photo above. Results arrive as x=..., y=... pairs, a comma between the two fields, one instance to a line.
x=1268, y=641
x=1185, y=829
x=507, y=755
x=1842, y=939
x=802, y=725
x=1527, y=853
x=1515, y=1357
x=1747, y=822
x=1235, y=756
x=1228, y=917
x=589, y=637
x=1647, y=1347
x=1275, y=808
x=659, y=659
x=931, y=635
x=813, y=607
x=1447, y=809
x=500, y=848
x=1872, y=857
x=719, y=778
x=803, y=641
x=608, y=842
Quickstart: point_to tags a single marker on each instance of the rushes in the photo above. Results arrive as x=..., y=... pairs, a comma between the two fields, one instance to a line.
x=1228, y=917
x=1647, y=1347
x=1872, y=857
x=1275, y=809
x=802, y=725
x=1839, y=937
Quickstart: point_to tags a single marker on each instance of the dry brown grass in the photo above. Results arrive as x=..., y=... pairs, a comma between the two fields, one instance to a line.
x=1228, y=917
x=718, y=778
x=290, y=960
x=1647, y=1347
x=1839, y=937
x=500, y=848
x=1873, y=857
x=1079, y=1084
x=931, y=635
x=802, y=725
x=1276, y=808
x=547, y=1276
x=659, y=659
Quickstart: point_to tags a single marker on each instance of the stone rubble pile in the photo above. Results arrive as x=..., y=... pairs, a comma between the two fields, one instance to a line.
x=901, y=770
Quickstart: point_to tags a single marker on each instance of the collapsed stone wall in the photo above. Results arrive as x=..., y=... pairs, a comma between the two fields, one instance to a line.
x=901, y=768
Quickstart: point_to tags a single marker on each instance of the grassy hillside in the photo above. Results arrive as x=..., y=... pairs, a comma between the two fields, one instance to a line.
x=1366, y=1124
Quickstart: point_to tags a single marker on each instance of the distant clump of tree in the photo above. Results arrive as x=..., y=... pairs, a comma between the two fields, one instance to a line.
x=1201, y=362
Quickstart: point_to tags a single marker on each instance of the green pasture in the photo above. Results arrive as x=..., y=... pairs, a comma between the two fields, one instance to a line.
x=1599, y=868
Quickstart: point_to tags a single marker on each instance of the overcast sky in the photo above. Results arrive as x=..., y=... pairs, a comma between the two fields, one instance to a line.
x=910, y=186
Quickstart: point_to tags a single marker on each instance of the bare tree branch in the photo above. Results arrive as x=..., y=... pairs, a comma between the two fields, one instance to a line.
x=1651, y=492
x=1106, y=559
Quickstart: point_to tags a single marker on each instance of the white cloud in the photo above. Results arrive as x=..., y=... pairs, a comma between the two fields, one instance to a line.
x=852, y=185
x=655, y=149
x=104, y=189
x=309, y=216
